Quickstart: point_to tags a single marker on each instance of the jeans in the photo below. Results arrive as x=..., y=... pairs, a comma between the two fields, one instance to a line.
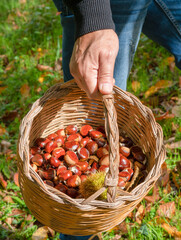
x=160, y=20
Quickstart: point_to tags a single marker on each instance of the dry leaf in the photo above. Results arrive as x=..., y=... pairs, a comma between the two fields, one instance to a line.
x=160, y=84
x=169, y=60
x=10, y=116
x=28, y=217
x=171, y=230
x=25, y=90
x=135, y=86
x=44, y=68
x=140, y=214
x=179, y=81
x=2, y=130
x=173, y=145
x=58, y=13
x=16, y=211
x=155, y=197
x=22, y=1
x=176, y=179
x=8, y=220
x=8, y=199
x=165, y=116
x=164, y=178
x=10, y=66
x=176, y=110
x=123, y=228
x=166, y=210
x=40, y=234
x=3, y=182
x=2, y=89
x=58, y=65
x=16, y=180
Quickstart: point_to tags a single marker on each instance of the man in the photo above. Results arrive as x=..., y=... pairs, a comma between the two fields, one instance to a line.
x=100, y=38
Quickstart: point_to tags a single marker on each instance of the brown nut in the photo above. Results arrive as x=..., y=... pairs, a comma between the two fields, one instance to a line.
x=52, y=136
x=58, y=152
x=64, y=175
x=104, y=168
x=121, y=183
x=95, y=134
x=72, y=192
x=84, y=131
x=55, y=162
x=125, y=151
x=92, y=147
x=34, y=166
x=75, y=170
x=34, y=150
x=74, y=137
x=104, y=160
x=83, y=154
x=71, y=129
x=61, y=168
x=61, y=187
x=124, y=163
x=73, y=181
x=71, y=158
x=37, y=160
x=83, y=166
x=101, y=142
x=101, y=152
x=71, y=145
x=59, y=140
x=47, y=174
x=49, y=182
x=84, y=141
x=83, y=178
x=125, y=174
x=41, y=142
x=47, y=156
x=50, y=146
x=60, y=132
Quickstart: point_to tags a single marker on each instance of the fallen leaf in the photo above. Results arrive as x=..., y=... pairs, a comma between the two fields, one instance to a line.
x=173, y=145
x=22, y=1
x=58, y=13
x=2, y=89
x=44, y=68
x=16, y=211
x=135, y=86
x=10, y=116
x=179, y=81
x=2, y=130
x=3, y=182
x=160, y=84
x=165, y=116
x=140, y=214
x=5, y=145
x=40, y=234
x=155, y=197
x=169, y=60
x=176, y=110
x=25, y=90
x=172, y=66
x=10, y=66
x=8, y=199
x=16, y=180
x=58, y=65
x=171, y=230
x=8, y=221
x=176, y=179
x=164, y=177
x=28, y=217
x=166, y=210
x=178, y=164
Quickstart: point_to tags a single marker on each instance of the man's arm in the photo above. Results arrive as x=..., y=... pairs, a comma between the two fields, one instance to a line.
x=96, y=46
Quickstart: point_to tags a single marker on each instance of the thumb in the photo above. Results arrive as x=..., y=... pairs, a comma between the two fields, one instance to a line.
x=105, y=76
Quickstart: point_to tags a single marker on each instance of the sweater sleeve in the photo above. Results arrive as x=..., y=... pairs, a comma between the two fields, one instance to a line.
x=91, y=15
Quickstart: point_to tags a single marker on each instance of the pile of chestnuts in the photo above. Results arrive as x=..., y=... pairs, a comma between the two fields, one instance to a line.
x=66, y=158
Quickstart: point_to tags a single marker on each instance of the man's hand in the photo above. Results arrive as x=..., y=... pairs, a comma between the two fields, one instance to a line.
x=92, y=62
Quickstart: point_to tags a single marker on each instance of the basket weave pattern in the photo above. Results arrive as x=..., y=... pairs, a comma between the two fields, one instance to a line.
x=66, y=104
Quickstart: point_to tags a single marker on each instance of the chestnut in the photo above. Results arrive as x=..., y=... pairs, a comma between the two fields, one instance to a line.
x=121, y=183
x=124, y=163
x=72, y=192
x=104, y=168
x=61, y=168
x=47, y=156
x=61, y=187
x=60, y=132
x=101, y=152
x=83, y=166
x=74, y=137
x=83, y=154
x=55, y=162
x=38, y=160
x=41, y=142
x=95, y=134
x=75, y=170
x=84, y=131
x=34, y=150
x=49, y=182
x=101, y=142
x=34, y=166
x=59, y=140
x=71, y=158
x=50, y=146
x=73, y=181
x=125, y=151
x=58, y=152
x=83, y=178
x=92, y=147
x=64, y=175
x=47, y=174
x=125, y=174
x=52, y=136
x=71, y=145
x=104, y=160
x=84, y=141
x=71, y=129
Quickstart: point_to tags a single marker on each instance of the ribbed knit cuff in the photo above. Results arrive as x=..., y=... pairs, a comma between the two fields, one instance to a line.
x=92, y=15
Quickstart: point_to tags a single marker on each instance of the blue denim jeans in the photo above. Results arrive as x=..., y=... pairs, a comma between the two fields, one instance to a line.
x=160, y=20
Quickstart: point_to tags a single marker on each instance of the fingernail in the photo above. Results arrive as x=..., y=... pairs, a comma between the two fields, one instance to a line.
x=105, y=88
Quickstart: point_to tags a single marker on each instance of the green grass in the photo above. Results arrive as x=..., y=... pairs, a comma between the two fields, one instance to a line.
x=31, y=34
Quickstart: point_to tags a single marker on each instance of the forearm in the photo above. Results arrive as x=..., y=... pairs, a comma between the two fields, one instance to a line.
x=91, y=15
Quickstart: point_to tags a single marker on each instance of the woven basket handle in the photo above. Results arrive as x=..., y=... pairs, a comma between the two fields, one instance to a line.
x=112, y=133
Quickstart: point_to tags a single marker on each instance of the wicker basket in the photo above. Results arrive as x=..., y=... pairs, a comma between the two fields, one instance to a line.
x=66, y=104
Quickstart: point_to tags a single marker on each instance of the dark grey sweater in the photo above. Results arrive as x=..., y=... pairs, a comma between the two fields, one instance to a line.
x=91, y=15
